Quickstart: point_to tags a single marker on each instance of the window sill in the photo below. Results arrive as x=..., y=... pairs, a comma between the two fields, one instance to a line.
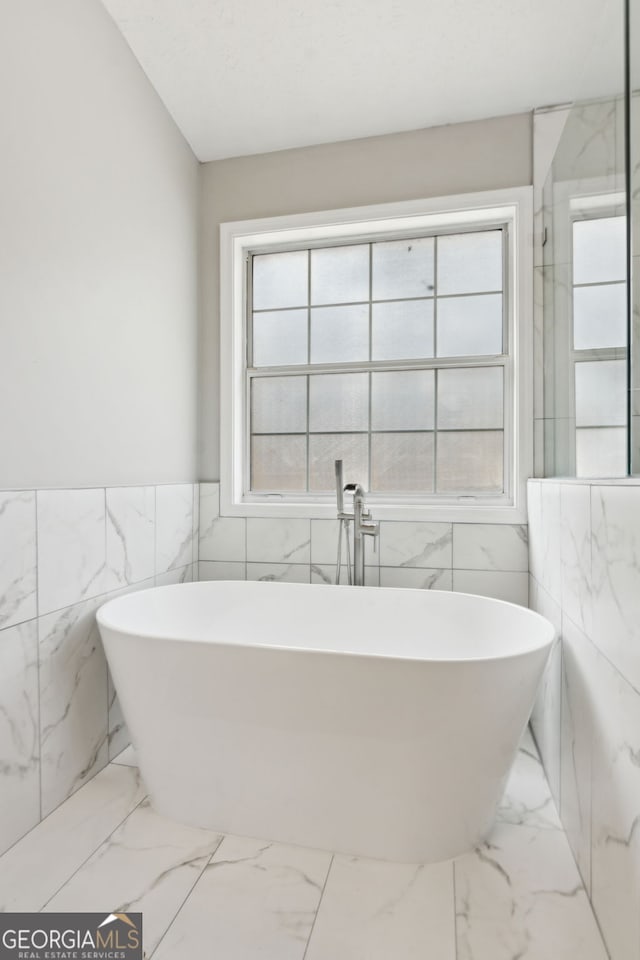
x=472, y=512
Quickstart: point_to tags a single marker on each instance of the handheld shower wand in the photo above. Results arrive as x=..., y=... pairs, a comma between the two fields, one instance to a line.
x=343, y=520
x=339, y=486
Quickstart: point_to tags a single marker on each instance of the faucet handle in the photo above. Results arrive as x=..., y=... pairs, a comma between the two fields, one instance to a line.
x=371, y=528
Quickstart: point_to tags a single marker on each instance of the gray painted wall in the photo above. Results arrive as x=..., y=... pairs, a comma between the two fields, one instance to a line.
x=440, y=161
x=98, y=260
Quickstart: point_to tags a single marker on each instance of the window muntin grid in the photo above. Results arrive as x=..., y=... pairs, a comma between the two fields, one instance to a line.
x=374, y=386
x=599, y=343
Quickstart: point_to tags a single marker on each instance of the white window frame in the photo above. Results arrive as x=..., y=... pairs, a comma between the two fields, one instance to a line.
x=572, y=200
x=581, y=209
x=512, y=206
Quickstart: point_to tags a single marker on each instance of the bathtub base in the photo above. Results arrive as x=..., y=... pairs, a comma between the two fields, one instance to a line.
x=384, y=762
x=432, y=846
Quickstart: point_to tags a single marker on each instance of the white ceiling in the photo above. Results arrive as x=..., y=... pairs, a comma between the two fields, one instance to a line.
x=250, y=76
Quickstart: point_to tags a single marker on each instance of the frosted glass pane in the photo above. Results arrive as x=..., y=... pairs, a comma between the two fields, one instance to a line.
x=339, y=402
x=402, y=462
x=599, y=250
x=470, y=398
x=470, y=262
x=600, y=316
x=325, y=448
x=601, y=453
x=340, y=274
x=470, y=326
x=340, y=334
x=279, y=338
x=601, y=393
x=280, y=280
x=402, y=268
x=470, y=462
x=402, y=400
x=279, y=405
x=402, y=330
x=278, y=463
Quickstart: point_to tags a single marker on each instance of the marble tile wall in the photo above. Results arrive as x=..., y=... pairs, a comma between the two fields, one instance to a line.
x=585, y=577
x=62, y=554
x=490, y=559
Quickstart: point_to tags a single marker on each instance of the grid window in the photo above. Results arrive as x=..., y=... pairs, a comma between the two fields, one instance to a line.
x=391, y=355
x=599, y=345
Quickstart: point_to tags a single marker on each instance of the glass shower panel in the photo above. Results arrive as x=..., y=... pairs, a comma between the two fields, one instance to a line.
x=599, y=249
x=601, y=453
x=600, y=316
x=601, y=393
x=584, y=289
x=634, y=217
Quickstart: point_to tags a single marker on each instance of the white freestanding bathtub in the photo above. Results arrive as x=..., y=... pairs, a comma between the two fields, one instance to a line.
x=375, y=722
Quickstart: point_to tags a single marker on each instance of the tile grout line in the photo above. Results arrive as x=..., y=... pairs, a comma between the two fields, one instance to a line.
x=591, y=591
x=562, y=709
x=95, y=849
x=106, y=548
x=19, y=623
x=324, y=887
x=602, y=654
x=111, y=486
x=190, y=891
x=37, y=620
x=38, y=612
x=455, y=914
x=195, y=547
x=88, y=599
x=383, y=566
x=155, y=535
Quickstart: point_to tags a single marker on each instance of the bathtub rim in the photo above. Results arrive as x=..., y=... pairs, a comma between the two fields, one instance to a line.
x=546, y=627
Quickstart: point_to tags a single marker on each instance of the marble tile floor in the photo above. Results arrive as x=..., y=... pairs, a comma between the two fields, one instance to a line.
x=203, y=895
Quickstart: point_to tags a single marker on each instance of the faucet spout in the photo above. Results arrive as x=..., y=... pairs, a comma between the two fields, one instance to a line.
x=363, y=526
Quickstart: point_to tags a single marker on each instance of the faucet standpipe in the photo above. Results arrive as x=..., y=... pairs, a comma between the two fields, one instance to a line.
x=363, y=526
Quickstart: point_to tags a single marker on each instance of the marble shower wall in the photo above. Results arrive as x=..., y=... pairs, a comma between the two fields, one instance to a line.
x=585, y=577
x=488, y=559
x=62, y=554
